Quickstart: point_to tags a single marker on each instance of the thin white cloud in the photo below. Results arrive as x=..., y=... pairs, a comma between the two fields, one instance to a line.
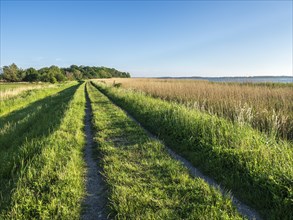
x=37, y=59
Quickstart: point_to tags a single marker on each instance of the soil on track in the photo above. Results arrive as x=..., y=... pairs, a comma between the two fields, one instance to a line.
x=96, y=199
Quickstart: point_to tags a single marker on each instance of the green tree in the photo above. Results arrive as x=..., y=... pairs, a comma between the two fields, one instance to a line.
x=48, y=75
x=43, y=71
x=55, y=74
x=31, y=75
x=60, y=77
x=21, y=74
x=77, y=74
x=104, y=73
x=1, y=73
x=10, y=73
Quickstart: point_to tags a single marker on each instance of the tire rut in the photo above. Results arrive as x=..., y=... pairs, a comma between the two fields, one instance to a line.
x=242, y=208
x=95, y=202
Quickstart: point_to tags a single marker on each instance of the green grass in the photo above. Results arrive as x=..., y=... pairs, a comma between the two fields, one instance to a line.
x=258, y=169
x=41, y=158
x=27, y=97
x=144, y=181
x=7, y=86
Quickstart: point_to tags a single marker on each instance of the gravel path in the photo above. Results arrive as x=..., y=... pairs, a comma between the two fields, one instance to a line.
x=96, y=199
x=242, y=208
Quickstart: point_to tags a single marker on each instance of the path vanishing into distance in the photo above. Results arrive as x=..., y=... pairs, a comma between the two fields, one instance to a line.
x=96, y=200
x=91, y=151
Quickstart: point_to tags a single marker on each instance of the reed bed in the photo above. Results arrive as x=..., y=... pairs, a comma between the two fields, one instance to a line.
x=266, y=107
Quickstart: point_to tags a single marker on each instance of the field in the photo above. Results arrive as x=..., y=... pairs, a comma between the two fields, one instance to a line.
x=239, y=135
x=9, y=90
x=267, y=107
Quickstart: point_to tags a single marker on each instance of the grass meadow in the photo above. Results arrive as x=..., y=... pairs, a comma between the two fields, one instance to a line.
x=41, y=162
x=255, y=166
x=22, y=98
x=226, y=130
x=144, y=181
x=8, y=90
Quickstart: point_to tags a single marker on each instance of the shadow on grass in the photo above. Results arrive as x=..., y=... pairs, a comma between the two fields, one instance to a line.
x=23, y=127
x=230, y=168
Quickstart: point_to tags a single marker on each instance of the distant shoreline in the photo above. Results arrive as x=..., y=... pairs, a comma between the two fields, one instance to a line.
x=253, y=79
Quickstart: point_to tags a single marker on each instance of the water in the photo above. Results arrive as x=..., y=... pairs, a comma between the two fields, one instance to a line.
x=253, y=79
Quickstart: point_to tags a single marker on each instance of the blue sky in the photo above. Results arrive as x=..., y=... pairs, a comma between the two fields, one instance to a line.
x=151, y=38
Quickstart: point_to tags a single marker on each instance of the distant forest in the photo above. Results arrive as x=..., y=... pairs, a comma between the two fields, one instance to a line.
x=55, y=74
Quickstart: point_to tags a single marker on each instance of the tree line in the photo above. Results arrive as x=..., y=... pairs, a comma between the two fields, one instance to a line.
x=53, y=74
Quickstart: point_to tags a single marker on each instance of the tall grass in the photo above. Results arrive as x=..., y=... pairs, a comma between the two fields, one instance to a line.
x=144, y=181
x=26, y=97
x=7, y=91
x=267, y=107
x=258, y=169
x=41, y=158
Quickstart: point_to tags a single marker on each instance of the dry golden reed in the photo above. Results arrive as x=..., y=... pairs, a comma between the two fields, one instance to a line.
x=267, y=107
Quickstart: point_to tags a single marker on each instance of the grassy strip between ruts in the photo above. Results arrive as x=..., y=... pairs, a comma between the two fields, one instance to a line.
x=258, y=169
x=27, y=97
x=144, y=181
x=48, y=181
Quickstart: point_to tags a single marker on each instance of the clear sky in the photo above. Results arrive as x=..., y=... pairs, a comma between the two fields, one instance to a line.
x=151, y=38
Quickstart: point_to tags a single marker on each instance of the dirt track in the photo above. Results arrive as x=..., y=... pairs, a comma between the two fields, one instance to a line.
x=96, y=198
x=242, y=208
